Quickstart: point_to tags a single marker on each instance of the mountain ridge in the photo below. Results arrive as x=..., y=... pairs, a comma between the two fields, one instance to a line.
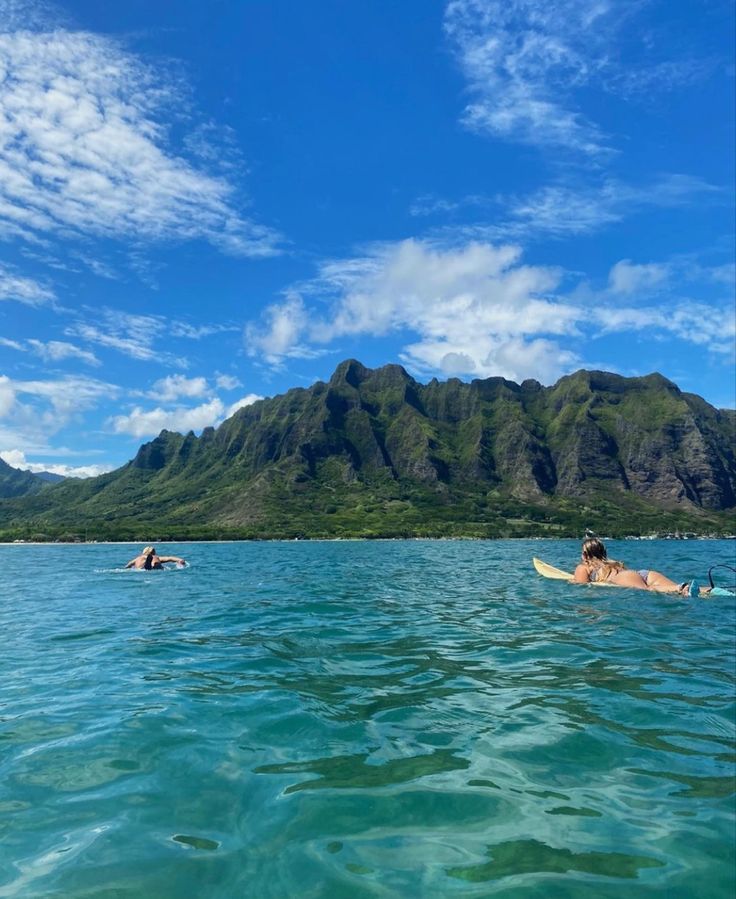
x=373, y=452
x=18, y=482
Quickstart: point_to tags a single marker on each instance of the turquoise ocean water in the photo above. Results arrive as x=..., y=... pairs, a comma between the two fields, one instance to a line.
x=363, y=720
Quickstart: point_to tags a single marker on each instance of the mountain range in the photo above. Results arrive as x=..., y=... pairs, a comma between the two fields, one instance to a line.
x=375, y=453
x=17, y=482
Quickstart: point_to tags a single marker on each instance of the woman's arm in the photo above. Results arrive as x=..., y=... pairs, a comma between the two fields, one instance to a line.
x=171, y=559
x=582, y=575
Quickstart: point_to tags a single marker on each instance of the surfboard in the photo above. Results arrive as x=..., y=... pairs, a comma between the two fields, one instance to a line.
x=550, y=571
x=558, y=574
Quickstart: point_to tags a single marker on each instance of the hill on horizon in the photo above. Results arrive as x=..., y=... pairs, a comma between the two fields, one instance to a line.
x=18, y=482
x=373, y=453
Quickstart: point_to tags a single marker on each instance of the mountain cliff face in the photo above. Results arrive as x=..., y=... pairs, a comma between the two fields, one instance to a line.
x=14, y=482
x=376, y=446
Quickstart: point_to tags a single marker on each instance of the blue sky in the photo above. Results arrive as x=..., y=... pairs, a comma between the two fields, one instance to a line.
x=206, y=203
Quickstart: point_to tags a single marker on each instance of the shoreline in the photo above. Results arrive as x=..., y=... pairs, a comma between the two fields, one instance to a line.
x=352, y=540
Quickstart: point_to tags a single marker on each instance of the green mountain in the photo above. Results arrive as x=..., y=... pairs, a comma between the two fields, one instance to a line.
x=375, y=453
x=49, y=477
x=14, y=482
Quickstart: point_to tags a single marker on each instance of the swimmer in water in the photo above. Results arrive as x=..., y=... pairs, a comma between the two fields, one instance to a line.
x=596, y=566
x=149, y=561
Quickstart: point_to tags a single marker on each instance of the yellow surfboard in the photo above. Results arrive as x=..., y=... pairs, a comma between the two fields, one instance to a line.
x=550, y=571
x=558, y=574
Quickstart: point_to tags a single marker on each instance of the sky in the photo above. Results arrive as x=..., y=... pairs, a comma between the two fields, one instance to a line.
x=206, y=203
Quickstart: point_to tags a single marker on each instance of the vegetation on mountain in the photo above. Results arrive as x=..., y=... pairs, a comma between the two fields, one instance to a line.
x=49, y=477
x=374, y=453
x=14, y=482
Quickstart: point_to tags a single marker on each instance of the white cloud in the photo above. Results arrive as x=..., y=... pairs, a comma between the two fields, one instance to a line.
x=85, y=147
x=227, y=382
x=148, y=423
x=23, y=290
x=279, y=335
x=242, y=403
x=57, y=350
x=475, y=310
x=562, y=211
x=173, y=387
x=626, y=278
x=705, y=325
x=68, y=395
x=140, y=423
x=33, y=410
x=17, y=458
x=7, y=396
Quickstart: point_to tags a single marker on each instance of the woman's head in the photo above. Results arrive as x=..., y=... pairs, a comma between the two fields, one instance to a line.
x=594, y=549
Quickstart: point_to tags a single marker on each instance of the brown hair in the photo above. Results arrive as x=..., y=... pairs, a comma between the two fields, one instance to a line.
x=595, y=552
x=149, y=552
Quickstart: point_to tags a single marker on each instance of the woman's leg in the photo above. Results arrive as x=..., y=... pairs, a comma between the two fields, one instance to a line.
x=661, y=583
x=627, y=578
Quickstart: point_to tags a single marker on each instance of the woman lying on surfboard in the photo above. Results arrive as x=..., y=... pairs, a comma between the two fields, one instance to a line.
x=596, y=566
x=148, y=560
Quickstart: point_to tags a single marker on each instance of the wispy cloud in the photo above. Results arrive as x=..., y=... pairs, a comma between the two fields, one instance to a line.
x=24, y=290
x=58, y=350
x=565, y=210
x=139, y=347
x=522, y=60
x=528, y=62
x=139, y=336
x=85, y=147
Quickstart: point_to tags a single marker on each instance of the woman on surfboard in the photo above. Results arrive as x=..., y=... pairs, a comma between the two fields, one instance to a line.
x=596, y=566
x=149, y=561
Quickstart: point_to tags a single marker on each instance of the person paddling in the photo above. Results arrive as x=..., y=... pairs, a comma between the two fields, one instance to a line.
x=148, y=560
x=595, y=566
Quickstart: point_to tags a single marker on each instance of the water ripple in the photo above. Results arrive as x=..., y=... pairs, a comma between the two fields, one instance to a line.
x=352, y=719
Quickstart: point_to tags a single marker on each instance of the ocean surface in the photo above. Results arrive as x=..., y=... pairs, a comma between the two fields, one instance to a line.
x=363, y=719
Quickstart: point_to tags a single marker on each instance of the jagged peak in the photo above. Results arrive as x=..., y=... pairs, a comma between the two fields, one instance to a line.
x=349, y=371
x=597, y=379
x=657, y=380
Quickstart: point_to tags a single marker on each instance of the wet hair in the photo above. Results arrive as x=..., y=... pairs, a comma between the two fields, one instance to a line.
x=594, y=551
x=148, y=564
